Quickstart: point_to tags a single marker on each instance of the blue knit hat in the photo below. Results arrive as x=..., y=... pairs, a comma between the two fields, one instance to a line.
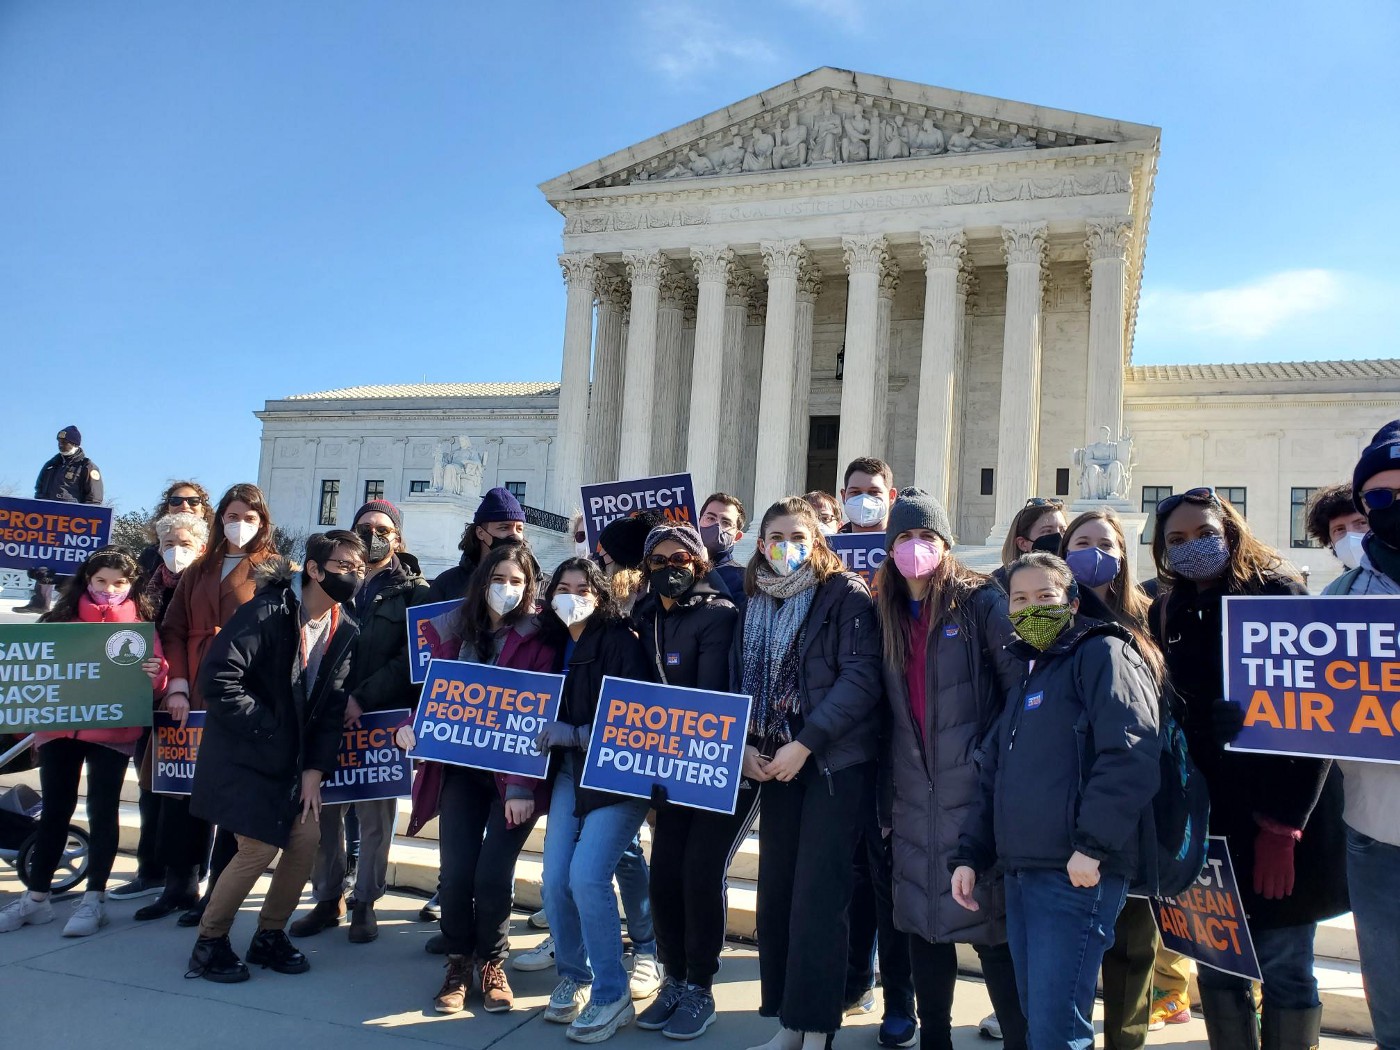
x=1383, y=453
x=498, y=505
x=71, y=434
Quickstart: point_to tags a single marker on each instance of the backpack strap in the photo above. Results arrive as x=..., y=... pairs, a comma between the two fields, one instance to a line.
x=1344, y=583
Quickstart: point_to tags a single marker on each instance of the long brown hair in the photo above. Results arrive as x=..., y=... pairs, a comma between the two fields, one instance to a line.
x=1252, y=564
x=1128, y=601
x=474, y=616
x=65, y=609
x=261, y=543
x=1021, y=525
x=825, y=563
x=950, y=585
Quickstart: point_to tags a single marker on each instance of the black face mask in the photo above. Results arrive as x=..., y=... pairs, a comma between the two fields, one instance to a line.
x=1049, y=543
x=377, y=547
x=1385, y=523
x=671, y=582
x=340, y=587
x=502, y=541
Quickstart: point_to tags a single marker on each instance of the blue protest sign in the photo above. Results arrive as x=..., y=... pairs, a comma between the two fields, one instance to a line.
x=688, y=741
x=429, y=632
x=1207, y=922
x=485, y=717
x=47, y=534
x=860, y=552
x=369, y=764
x=671, y=496
x=1316, y=676
x=174, y=752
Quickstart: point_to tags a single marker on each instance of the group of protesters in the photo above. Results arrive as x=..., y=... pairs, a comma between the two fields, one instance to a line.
x=960, y=759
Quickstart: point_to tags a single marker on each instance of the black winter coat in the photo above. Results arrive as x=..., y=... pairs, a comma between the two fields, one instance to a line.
x=1073, y=761
x=731, y=574
x=379, y=681
x=451, y=584
x=69, y=479
x=935, y=778
x=262, y=729
x=839, y=675
x=1303, y=793
x=688, y=645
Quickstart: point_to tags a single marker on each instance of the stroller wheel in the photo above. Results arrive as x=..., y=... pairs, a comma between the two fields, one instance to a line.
x=72, y=864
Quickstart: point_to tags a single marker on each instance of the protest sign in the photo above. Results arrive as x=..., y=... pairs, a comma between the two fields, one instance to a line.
x=688, y=741
x=1207, y=922
x=1316, y=676
x=485, y=717
x=175, y=751
x=370, y=765
x=671, y=496
x=56, y=676
x=48, y=534
x=860, y=552
x=427, y=627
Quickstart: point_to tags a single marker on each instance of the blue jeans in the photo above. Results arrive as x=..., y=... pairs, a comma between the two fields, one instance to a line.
x=1286, y=961
x=634, y=886
x=580, y=857
x=1373, y=873
x=1058, y=934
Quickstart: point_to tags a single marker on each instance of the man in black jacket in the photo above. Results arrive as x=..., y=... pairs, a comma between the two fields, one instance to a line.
x=274, y=685
x=69, y=477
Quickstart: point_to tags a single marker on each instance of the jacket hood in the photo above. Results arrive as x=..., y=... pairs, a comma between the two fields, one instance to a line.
x=278, y=571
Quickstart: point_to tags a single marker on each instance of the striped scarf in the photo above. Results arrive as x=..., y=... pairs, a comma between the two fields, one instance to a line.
x=773, y=629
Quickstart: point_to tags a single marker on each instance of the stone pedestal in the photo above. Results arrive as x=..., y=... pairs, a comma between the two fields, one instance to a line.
x=432, y=526
x=1132, y=521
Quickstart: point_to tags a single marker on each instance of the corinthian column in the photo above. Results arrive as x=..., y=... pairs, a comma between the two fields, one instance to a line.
x=712, y=268
x=781, y=260
x=884, y=310
x=605, y=399
x=865, y=259
x=943, y=251
x=809, y=287
x=1018, y=435
x=634, y=448
x=580, y=278
x=1107, y=245
x=670, y=405
x=738, y=293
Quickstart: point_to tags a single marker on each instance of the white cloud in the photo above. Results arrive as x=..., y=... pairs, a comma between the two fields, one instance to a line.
x=849, y=14
x=1245, y=312
x=680, y=41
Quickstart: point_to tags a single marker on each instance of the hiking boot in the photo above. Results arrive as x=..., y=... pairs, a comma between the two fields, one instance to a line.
x=322, y=917
x=538, y=920
x=430, y=912
x=364, y=927
x=646, y=976
x=215, y=960
x=694, y=1013
x=495, y=989
x=566, y=1001
x=540, y=957
x=1168, y=1008
x=600, y=1021
x=138, y=887
x=655, y=1016
x=896, y=1030
x=25, y=912
x=88, y=917
x=271, y=949
x=452, y=996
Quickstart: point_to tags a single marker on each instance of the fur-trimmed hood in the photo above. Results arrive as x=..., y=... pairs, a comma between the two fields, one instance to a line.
x=277, y=572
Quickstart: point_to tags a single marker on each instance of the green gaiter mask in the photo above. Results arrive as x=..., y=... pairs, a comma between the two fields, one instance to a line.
x=1040, y=625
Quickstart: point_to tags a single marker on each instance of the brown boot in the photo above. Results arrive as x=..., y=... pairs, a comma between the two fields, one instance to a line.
x=322, y=917
x=364, y=927
x=452, y=997
x=495, y=989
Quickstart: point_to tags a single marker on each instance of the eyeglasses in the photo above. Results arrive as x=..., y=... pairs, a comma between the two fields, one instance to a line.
x=827, y=519
x=1379, y=499
x=580, y=536
x=1044, y=501
x=1204, y=494
x=378, y=530
x=183, y=501
x=341, y=565
x=680, y=559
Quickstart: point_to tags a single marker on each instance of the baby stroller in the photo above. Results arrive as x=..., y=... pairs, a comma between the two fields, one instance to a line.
x=19, y=830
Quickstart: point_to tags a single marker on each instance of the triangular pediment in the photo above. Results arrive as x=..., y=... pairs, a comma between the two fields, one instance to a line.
x=832, y=117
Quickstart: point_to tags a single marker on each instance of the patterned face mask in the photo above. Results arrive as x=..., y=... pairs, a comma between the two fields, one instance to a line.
x=787, y=557
x=1202, y=559
x=1040, y=625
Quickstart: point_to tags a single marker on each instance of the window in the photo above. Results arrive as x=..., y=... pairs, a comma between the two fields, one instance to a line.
x=1151, y=496
x=987, y=481
x=330, y=502
x=417, y=486
x=516, y=489
x=1298, y=518
x=1062, y=481
x=1236, y=495
x=373, y=490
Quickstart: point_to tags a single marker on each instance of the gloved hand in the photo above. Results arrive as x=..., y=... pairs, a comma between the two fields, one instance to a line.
x=1227, y=719
x=561, y=734
x=1273, y=863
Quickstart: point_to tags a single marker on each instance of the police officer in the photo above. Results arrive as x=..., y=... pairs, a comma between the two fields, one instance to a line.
x=69, y=477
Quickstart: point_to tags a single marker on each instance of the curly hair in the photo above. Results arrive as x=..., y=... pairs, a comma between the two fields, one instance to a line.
x=163, y=510
x=1335, y=501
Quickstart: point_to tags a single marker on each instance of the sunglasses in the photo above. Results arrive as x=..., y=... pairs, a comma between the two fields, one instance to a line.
x=580, y=536
x=183, y=501
x=1042, y=501
x=1379, y=499
x=1205, y=494
x=680, y=559
x=378, y=530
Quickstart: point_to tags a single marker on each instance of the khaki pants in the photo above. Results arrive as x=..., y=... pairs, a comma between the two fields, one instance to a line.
x=252, y=859
x=1172, y=972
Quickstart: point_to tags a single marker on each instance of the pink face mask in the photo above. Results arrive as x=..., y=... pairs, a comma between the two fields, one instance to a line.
x=108, y=598
x=917, y=559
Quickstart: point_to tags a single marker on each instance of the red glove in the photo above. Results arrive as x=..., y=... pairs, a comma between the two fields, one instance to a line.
x=1273, y=862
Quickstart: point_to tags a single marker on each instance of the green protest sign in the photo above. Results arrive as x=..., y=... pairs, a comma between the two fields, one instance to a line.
x=59, y=676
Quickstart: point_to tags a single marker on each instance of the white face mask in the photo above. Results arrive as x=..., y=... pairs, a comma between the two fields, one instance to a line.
x=829, y=528
x=581, y=549
x=503, y=597
x=573, y=608
x=240, y=533
x=1348, y=549
x=178, y=559
x=865, y=510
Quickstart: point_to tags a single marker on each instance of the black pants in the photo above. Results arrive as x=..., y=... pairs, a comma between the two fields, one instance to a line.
x=935, y=975
x=183, y=839
x=60, y=766
x=149, y=864
x=872, y=913
x=477, y=854
x=808, y=833
x=1127, y=977
x=691, y=850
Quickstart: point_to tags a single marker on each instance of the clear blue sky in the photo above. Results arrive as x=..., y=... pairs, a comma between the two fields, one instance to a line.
x=205, y=205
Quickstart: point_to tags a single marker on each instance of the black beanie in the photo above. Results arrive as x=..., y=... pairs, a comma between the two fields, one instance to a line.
x=625, y=538
x=1383, y=453
x=916, y=509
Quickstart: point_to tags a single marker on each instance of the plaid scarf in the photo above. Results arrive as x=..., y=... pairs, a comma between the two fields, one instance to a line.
x=160, y=586
x=773, y=630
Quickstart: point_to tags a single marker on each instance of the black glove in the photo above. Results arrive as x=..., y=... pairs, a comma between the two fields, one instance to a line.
x=1227, y=719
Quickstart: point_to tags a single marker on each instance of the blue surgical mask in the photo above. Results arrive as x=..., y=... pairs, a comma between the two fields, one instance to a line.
x=1093, y=566
x=786, y=557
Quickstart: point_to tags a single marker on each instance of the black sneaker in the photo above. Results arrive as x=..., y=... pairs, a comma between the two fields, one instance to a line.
x=655, y=1016
x=430, y=912
x=195, y=915
x=214, y=959
x=436, y=944
x=693, y=1014
x=137, y=887
x=273, y=949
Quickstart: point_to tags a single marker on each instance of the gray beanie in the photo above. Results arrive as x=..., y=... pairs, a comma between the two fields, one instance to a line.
x=684, y=534
x=916, y=509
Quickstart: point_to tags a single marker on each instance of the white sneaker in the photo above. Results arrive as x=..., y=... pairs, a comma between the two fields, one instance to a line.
x=566, y=1001
x=538, y=920
x=990, y=1028
x=540, y=957
x=646, y=976
x=600, y=1021
x=88, y=917
x=25, y=912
